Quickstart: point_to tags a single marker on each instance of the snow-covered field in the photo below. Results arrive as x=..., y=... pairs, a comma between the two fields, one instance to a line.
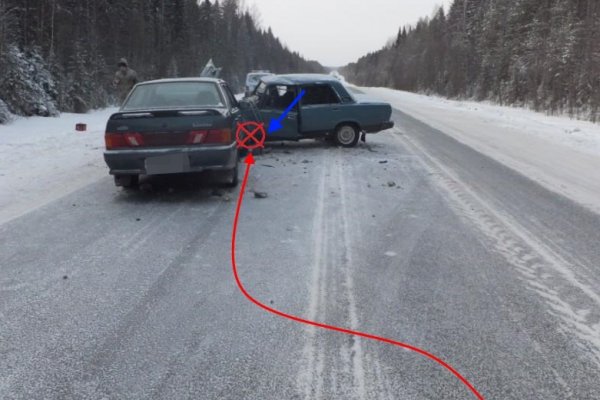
x=42, y=159
x=560, y=153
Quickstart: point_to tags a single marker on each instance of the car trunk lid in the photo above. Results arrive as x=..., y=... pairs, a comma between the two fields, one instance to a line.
x=167, y=128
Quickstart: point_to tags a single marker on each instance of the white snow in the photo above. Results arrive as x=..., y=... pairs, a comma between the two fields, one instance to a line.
x=42, y=159
x=558, y=152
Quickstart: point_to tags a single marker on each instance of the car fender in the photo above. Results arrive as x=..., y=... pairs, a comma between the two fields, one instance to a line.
x=354, y=123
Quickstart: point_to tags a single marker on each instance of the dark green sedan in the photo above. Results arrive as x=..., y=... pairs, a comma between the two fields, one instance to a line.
x=172, y=126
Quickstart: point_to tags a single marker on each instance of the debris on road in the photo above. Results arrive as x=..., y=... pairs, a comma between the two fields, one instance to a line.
x=261, y=195
x=391, y=184
x=383, y=162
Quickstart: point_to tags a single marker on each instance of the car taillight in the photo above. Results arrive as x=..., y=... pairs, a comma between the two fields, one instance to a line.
x=114, y=141
x=218, y=136
x=197, y=137
x=212, y=136
x=122, y=140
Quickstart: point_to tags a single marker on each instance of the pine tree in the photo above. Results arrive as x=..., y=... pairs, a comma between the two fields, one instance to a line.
x=80, y=42
x=544, y=54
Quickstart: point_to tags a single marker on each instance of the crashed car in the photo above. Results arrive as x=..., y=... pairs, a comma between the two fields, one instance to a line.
x=174, y=126
x=326, y=109
x=253, y=79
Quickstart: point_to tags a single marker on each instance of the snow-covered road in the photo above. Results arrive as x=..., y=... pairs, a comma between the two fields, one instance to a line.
x=560, y=153
x=415, y=236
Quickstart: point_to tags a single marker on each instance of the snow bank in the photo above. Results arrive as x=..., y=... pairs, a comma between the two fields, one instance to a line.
x=42, y=159
x=560, y=153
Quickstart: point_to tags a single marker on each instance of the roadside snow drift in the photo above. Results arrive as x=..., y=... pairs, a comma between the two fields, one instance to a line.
x=558, y=152
x=42, y=159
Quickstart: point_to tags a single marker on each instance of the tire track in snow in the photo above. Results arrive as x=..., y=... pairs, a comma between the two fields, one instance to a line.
x=560, y=283
x=310, y=379
x=358, y=369
x=347, y=373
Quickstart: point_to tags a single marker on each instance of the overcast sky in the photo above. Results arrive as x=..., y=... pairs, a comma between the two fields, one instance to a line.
x=336, y=32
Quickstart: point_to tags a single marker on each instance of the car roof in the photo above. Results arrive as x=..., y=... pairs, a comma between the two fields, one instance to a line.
x=191, y=79
x=298, y=79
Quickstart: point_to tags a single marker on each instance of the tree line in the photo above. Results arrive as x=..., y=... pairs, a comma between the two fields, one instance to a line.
x=543, y=54
x=62, y=54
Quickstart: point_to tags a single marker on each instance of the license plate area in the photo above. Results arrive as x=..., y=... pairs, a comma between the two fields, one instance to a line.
x=167, y=164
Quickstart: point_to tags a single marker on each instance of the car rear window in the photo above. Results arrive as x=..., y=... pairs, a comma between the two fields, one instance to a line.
x=174, y=95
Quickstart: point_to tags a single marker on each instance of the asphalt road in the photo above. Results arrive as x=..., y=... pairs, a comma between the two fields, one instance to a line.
x=109, y=294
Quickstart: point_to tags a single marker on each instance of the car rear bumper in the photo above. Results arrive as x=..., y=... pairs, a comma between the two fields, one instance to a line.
x=379, y=128
x=171, y=160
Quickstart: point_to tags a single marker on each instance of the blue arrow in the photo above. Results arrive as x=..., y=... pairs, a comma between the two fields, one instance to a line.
x=276, y=124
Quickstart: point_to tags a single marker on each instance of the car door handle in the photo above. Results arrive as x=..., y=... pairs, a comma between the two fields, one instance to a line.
x=335, y=109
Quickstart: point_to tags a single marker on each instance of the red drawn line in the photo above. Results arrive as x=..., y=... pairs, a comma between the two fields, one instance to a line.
x=249, y=162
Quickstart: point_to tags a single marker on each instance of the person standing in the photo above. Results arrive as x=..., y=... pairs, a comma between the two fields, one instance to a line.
x=125, y=79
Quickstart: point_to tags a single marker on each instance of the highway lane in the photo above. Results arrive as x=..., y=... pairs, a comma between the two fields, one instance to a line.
x=108, y=294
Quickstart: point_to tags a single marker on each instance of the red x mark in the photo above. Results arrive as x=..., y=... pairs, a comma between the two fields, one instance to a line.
x=252, y=132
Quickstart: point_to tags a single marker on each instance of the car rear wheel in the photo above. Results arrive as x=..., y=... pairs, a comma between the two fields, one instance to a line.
x=233, y=177
x=346, y=135
x=127, y=181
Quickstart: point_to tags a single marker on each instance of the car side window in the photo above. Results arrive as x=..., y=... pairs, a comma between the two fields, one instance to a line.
x=261, y=89
x=278, y=97
x=319, y=94
x=230, y=96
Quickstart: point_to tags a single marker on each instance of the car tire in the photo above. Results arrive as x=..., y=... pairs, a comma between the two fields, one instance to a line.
x=346, y=135
x=234, y=178
x=127, y=181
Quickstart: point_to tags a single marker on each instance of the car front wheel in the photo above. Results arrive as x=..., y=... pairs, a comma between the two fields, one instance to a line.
x=346, y=135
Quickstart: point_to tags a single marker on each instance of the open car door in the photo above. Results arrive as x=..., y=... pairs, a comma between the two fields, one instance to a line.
x=272, y=103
